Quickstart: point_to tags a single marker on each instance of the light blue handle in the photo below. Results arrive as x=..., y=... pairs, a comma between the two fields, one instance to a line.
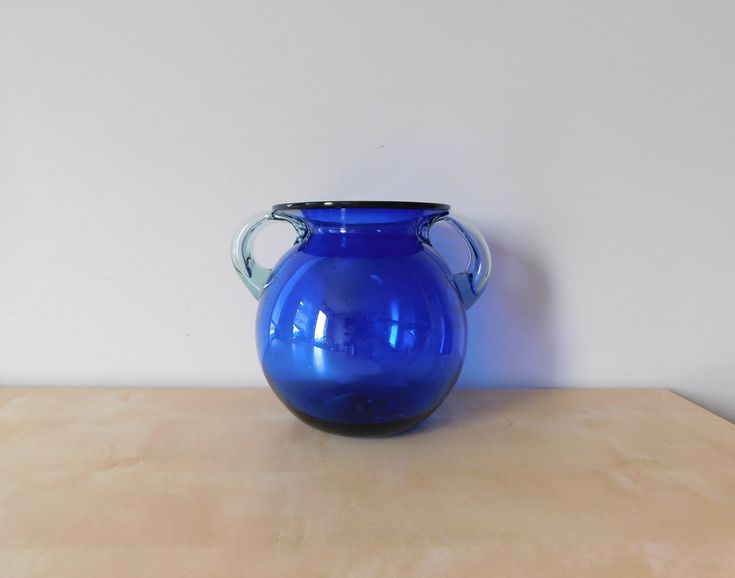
x=472, y=281
x=253, y=274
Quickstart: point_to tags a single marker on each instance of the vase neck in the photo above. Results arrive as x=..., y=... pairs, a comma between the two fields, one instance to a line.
x=342, y=221
x=363, y=231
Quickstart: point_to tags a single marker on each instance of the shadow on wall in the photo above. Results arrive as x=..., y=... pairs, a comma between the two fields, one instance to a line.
x=510, y=342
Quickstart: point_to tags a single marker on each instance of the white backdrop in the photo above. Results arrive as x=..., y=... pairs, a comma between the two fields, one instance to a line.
x=593, y=143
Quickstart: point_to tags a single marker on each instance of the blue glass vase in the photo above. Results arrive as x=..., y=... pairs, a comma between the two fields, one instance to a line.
x=361, y=326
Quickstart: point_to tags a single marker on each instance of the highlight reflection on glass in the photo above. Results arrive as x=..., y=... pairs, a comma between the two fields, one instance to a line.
x=320, y=329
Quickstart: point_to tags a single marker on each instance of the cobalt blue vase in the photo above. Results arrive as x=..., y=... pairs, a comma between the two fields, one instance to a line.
x=361, y=327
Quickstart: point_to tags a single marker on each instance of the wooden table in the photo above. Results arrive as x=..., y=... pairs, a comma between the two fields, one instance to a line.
x=225, y=482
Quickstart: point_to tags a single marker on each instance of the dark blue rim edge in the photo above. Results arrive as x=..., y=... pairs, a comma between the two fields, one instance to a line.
x=361, y=205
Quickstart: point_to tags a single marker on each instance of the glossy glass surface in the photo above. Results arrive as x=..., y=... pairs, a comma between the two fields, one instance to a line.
x=361, y=328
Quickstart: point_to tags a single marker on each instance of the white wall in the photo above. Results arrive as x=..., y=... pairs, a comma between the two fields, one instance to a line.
x=593, y=143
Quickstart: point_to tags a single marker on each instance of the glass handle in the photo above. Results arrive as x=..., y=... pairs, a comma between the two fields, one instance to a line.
x=472, y=281
x=254, y=275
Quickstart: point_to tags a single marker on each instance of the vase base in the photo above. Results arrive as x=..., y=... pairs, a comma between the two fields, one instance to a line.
x=377, y=429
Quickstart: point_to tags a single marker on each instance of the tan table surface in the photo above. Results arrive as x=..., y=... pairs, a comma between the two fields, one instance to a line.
x=225, y=482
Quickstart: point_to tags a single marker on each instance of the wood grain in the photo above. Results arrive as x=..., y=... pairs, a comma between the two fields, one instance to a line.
x=225, y=482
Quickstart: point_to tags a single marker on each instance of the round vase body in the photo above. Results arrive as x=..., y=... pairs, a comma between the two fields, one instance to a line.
x=361, y=328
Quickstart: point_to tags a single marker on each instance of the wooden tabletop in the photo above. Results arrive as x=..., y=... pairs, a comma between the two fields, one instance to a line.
x=225, y=482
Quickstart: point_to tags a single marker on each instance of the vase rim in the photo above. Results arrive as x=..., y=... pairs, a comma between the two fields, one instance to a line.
x=362, y=205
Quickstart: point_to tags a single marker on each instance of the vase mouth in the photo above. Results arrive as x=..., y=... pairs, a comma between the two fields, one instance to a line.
x=362, y=205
